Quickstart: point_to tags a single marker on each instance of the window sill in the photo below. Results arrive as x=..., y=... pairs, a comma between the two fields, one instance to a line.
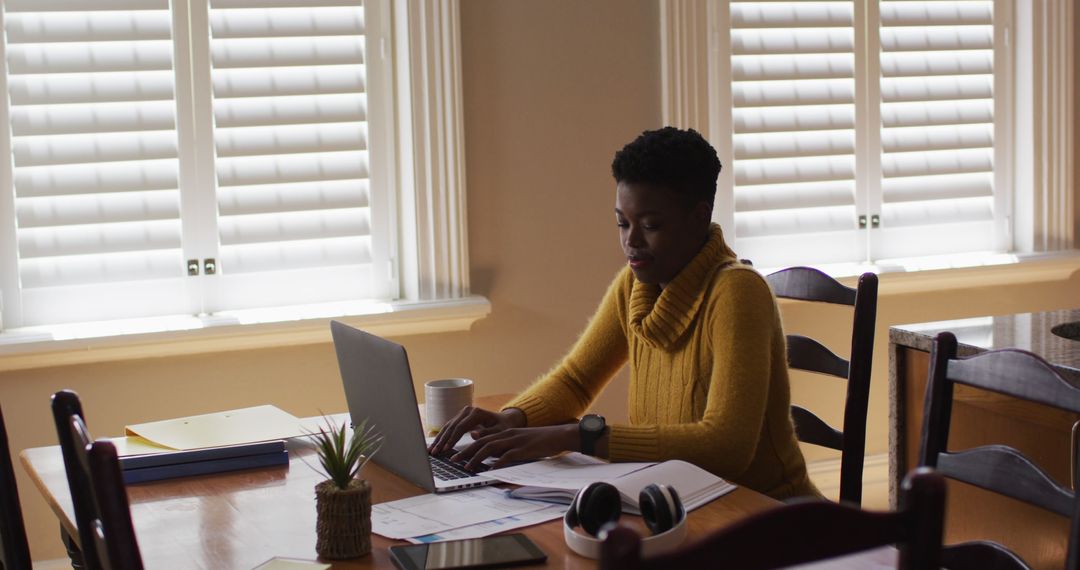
x=1022, y=268
x=60, y=346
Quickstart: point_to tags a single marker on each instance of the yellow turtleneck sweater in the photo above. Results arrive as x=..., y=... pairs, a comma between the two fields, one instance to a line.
x=708, y=374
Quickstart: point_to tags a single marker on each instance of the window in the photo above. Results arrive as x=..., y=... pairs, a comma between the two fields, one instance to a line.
x=207, y=156
x=856, y=132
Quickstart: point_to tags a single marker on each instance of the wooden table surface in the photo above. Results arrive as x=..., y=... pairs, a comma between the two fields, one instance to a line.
x=243, y=518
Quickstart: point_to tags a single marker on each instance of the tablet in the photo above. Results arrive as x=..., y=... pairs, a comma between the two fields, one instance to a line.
x=488, y=552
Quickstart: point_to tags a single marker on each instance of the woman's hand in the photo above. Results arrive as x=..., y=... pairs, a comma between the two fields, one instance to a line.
x=518, y=444
x=479, y=422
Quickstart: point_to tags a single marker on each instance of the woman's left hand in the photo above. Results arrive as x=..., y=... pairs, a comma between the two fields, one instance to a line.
x=519, y=444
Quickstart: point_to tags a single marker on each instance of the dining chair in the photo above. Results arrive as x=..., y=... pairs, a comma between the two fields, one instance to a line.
x=997, y=468
x=803, y=532
x=111, y=529
x=805, y=353
x=65, y=405
x=14, y=549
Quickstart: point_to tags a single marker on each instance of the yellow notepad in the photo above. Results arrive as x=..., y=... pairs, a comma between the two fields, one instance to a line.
x=233, y=427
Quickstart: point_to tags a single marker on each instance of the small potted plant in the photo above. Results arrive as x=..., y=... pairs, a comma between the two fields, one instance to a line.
x=343, y=501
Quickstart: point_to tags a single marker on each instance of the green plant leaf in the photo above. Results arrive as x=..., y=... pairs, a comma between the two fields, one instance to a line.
x=342, y=455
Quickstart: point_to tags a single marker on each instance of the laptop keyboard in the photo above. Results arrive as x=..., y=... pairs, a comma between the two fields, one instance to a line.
x=446, y=470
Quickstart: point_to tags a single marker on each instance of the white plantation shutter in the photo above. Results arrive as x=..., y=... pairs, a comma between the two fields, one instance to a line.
x=793, y=90
x=290, y=133
x=862, y=131
x=937, y=136
x=147, y=133
x=92, y=132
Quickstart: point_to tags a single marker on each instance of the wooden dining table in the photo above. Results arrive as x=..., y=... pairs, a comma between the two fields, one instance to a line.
x=242, y=519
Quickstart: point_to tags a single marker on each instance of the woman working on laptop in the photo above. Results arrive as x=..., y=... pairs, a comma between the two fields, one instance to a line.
x=708, y=374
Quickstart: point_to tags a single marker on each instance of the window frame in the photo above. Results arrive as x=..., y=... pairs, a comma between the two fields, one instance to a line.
x=695, y=58
x=420, y=56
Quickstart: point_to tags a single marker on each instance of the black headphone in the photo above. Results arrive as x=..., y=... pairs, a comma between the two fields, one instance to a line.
x=599, y=504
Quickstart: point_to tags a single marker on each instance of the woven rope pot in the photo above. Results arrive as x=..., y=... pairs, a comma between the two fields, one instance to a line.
x=343, y=526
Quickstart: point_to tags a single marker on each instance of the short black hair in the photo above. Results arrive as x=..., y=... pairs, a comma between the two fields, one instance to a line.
x=682, y=161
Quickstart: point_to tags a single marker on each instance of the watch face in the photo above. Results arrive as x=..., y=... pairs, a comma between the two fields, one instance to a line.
x=592, y=423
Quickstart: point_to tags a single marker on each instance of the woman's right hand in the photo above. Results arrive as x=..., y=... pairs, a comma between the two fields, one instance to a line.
x=479, y=422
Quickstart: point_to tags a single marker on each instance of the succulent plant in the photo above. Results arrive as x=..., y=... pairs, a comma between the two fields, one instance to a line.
x=342, y=454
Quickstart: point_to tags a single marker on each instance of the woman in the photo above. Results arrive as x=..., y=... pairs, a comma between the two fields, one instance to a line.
x=701, y=332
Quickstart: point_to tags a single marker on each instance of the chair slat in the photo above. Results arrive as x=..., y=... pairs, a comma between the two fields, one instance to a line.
x=811, y=429
x=981, y=555
x=1016, y=373
x=805, y=353
x=809, y=284
x=1005, y=471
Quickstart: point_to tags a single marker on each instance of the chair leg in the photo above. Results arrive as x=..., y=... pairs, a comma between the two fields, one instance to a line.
x=76, y=555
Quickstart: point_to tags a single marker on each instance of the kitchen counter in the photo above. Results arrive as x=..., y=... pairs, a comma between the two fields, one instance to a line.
x=1027, y=331
x=980, y=418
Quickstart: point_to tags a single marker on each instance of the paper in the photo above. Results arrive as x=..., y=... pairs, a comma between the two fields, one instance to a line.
x=135, y=445
x=489, y=528
x=569, y=472
x=234, y=427
x=291, y=564
x=695, y=485
x=435, y=513
x=558, y=480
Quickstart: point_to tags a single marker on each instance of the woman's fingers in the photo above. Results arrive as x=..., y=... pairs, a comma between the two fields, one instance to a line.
x=516, y=444
x=467, y=419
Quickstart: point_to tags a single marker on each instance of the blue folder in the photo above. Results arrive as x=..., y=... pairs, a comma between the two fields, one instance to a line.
x=169, y=465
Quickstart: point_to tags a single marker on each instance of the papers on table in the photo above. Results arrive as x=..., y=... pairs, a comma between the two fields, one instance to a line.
x=485, y=511
x=558, y=480
x=234, y=427
x=491, y=527
x=570, y=472
x=291, y=564
x=436, y=513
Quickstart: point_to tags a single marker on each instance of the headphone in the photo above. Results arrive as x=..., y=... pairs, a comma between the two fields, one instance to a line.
x=599, y=504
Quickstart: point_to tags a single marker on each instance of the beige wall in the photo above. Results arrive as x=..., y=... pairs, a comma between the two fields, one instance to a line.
x=552, y=89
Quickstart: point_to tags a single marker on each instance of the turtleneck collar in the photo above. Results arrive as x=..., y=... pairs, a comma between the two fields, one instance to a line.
x=659, y=317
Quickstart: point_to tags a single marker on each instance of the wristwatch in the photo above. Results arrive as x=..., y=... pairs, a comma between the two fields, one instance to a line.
x=591, y=427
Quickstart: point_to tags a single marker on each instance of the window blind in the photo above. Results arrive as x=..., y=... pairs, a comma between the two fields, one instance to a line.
x=95, y=162
x=937, y=135
x=291, y=141
x=793, y=89
x=862, y=132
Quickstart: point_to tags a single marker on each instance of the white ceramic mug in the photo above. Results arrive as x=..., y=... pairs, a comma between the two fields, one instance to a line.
x=443, y=399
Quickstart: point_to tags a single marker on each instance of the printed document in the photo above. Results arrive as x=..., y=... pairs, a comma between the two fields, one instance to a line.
x=479, y=530
x=559, y=479
x=435, y=513
x=570, y=472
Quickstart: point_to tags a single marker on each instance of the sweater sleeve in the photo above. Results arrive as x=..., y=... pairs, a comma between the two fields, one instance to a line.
x=566, y=392
x=741, y=320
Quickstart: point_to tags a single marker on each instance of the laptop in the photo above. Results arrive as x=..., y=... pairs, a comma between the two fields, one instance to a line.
x=379, y=388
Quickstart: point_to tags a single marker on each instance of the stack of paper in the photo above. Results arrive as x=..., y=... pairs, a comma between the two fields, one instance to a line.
x=208, y=443
x=559, y=479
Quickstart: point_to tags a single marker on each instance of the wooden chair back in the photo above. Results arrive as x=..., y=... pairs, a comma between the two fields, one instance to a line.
x=997, y=468
x=111, y=528
x=66, y=405
x=102, y=514
x=804, y=532
x=14, y=549
x=805, y=353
